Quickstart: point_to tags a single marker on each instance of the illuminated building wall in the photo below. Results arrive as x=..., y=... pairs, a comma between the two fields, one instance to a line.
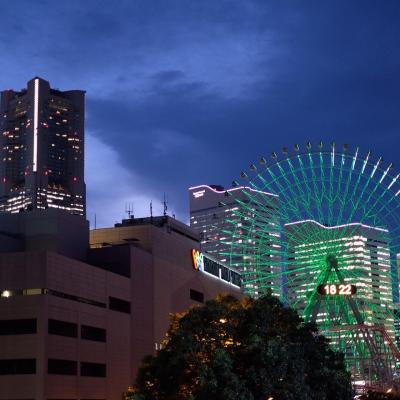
x=363, y=257
x=42, y=149
x=216, y=215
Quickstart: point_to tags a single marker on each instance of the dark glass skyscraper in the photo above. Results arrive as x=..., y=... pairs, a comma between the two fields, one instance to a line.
x=42, y=149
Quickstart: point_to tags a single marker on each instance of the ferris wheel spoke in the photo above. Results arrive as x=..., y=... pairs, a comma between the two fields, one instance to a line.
x=305, y=197
x=317, y=193
x=344, y=200
x=300, y=202
x=392, y=210
x=290, y=208
x=282, y=192
x=356, y=185
x=371, y=211
x=331, y=182
x=330, y=204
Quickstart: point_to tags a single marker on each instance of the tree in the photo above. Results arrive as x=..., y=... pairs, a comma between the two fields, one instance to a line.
x=253, y=349
x=371, y=395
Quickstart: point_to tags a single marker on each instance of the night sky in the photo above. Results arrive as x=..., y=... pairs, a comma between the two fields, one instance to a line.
x=181, y=93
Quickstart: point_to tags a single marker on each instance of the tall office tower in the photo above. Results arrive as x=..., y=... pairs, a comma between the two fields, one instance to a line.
x=42, y=149
x=359, y=256
x=217, y=215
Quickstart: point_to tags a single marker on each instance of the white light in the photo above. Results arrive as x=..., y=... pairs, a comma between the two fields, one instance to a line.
x=375, y=167
x=198, y=194
x=5, y=293
x=384, y=174
x=393, y=181
x=365, y=163
x=232, y=190
x=35, y=124
x=338, y=226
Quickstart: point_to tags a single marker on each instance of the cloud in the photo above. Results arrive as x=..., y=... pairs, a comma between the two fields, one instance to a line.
x=111, y=49
x=184, y=93
x=112, y=189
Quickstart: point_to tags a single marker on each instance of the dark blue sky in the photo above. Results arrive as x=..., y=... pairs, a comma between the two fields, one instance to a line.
x=181, y=93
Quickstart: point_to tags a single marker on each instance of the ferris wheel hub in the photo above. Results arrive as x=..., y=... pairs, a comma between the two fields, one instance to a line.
x=332, y=261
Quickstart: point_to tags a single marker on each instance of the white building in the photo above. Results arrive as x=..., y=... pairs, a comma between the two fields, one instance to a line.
x=363, y=260
x=230, y=222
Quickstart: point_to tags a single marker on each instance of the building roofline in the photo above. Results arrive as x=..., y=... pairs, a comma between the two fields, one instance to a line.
x=232, y=189
x=336, y=226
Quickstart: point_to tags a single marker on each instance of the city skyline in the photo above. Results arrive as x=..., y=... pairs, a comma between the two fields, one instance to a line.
x=182, y=95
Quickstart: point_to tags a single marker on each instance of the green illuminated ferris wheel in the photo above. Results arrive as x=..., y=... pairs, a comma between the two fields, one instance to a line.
x=319, y=227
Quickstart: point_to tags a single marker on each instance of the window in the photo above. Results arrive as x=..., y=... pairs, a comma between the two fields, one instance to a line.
x=75, y=298
x=61, y=367
x=17, y=326
x=120, y=268
x=93, y=369
x=62, y=328
x=211, y=267
x=196, y=296
x=119, y=305
x=235, y=278
x=92, y=333
x=225, y=274
x=18, y=367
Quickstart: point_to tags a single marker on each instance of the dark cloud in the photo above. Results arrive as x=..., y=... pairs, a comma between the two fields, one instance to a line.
x=193, y=92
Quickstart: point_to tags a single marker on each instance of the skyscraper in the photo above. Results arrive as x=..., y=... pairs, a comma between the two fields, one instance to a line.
x=219, y=215
x=42, y=149
x=363, y=258
x=340, y=278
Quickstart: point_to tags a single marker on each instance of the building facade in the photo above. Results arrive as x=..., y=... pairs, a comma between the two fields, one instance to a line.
x=75, y=321
x=42, y=149
x=224, y=218
x=169, y=273
x=362, y=258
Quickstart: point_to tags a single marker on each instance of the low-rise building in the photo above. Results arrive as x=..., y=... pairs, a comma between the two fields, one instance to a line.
x=75, y=321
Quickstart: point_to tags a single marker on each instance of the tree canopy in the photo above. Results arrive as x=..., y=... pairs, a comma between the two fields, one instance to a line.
x=252, y=349
x=371, y=395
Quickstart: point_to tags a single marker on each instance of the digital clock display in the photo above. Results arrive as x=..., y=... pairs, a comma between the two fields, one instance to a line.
x=331, y=289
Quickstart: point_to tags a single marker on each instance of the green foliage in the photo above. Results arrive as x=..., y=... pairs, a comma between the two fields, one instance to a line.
x=243, y=350
x=380, y=396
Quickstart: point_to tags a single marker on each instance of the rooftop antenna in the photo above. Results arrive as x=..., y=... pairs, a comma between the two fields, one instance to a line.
x=165, y=205
x=129, y=210
x=151, y=209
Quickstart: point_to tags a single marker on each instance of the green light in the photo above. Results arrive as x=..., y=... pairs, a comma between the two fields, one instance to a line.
x=329, y=204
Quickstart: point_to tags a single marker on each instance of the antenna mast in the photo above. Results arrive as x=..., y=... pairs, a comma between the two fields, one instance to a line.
x=129, y=210
x=165, y=205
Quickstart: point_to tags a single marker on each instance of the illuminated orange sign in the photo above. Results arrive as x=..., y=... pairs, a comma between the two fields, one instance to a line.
x=198, y=260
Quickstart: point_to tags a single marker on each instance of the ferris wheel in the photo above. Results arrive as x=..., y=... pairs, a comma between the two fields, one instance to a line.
x=320, y=228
